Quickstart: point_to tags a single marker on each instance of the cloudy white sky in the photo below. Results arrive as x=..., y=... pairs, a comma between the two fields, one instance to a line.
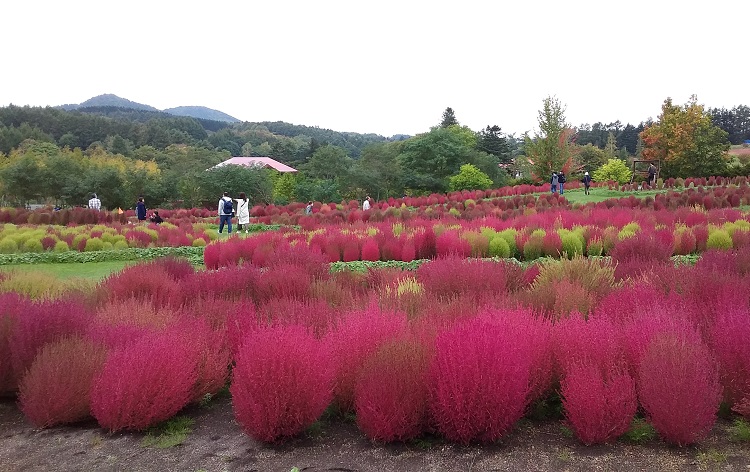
x=383, y=67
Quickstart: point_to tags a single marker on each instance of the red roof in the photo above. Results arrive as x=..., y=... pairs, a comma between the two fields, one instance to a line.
x=257, y=161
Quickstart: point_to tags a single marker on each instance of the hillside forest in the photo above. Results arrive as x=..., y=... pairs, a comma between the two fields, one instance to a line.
x=59, y=157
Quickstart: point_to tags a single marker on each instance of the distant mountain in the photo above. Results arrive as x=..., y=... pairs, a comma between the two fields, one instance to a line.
x=201, y=112
x=109, y=100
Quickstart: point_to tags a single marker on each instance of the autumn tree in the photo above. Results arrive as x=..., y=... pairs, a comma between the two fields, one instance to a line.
x=686, y=141
x=552, y=147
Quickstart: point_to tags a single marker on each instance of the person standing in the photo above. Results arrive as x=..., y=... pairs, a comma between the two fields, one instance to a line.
x=243, y=212
x=95, y=203
x=561, y=181
x=553, y=182
x=140, y=210
x=366, y=204
x=225, y=213
x=651, y=174
x=308, y=208
x=586, y=182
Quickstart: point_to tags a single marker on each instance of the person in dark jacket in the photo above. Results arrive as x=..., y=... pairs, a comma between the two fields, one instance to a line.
x=561, y=181
x=586, y=183
x=155, y=218
x=140, y=210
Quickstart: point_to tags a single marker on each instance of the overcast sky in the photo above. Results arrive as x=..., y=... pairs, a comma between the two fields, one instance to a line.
x=385, y=67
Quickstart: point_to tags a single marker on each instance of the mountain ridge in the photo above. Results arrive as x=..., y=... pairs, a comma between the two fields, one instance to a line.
x=112, y=100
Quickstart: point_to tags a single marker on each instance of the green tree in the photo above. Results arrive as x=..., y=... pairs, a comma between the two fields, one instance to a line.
x=611, y=147
x=590, y=157
x=328, y=162
x=492, y=141
x=552, y=148
x=378, y=171
x=686, y=141
x=430, y=158
x=284, y=185
x=614, y=169
x=449, y=118
x=470, y=178
x=254, y=181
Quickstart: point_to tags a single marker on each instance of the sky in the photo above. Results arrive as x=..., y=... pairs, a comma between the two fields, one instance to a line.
x=386, y=67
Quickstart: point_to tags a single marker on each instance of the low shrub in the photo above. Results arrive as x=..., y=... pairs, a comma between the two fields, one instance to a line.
x=56, y=388
x=678, y=387
x=599, y=405
x=719, y=239
x=281, y=382
x=391, y=392
x=144, y=383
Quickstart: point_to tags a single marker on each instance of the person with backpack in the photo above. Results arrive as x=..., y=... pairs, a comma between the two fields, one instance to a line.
x=226, y=208
x=561, y=181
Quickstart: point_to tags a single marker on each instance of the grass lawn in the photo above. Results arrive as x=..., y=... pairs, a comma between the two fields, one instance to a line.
x=601, y=194
x=89, y=270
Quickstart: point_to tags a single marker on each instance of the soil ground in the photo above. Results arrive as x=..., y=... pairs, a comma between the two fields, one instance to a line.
x=217, y=443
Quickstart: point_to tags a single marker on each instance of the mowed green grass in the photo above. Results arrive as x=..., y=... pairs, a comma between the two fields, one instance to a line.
x=89, y=270
x=600, y=194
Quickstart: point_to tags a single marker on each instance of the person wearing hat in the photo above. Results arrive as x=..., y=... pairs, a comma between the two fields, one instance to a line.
x=586, y=182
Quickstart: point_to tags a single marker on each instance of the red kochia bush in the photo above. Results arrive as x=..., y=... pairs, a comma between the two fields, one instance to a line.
x=678, y=386
x=479, y=380
x=41, y=323
x=391, y=393
x=282, y=382
x=56, y=388
x=729, y=340
x=358, y=336
x=11, y=307
x=145, y=383
x=599, y=404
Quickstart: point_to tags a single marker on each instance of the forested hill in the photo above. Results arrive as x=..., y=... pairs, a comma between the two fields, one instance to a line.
x=109, y=100
x=124, y=130
x=202, y=113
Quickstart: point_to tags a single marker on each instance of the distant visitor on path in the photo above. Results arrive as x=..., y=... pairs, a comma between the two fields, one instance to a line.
x=651, y=174
x=155, y=218
x=366, y=204
x=553, y=182
x=586, y=182
x=308, y=208
x=243, y=212
x=226, y=209
x=561, y=181
x=140, y=210
x=95, y=203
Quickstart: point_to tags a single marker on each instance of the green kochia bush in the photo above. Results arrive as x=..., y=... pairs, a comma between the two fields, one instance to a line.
x=8, y=246
x=32, y=245
x=719, y=239
x=499, y=247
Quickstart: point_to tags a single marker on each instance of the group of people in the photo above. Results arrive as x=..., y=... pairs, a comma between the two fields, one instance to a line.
x=558, y=179
x=227, y=211
x=140, y=209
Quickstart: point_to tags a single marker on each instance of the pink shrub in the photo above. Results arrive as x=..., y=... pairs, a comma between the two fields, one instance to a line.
x=642, y=247
x=11, y=307
x=451, y=276
x=213, y=353
x=390, y=396
x=449, y=243
x=370, y=250
x=56, y=388
x=728, y=340
x=479, y=380
x=678, y=387
x=145, y=383
x=356, y=338
x=141, y=281
x=599, y=405
x=284, y=281
x=41, y=323
x=281, y=383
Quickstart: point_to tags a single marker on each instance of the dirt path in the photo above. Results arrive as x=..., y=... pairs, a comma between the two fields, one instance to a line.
x=218, y=444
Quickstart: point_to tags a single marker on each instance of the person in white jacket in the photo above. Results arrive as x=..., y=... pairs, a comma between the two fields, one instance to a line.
x=225, y=213
x=366, y=204
x=243, y=212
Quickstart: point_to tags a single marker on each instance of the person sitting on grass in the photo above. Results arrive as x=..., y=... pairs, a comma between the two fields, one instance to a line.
x=155, y=218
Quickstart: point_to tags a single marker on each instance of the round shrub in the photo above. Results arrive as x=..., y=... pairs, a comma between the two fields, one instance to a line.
x=32, y=245
x=533, y=248
x=107, y=246
x=198, y=242
x=572, y=244
x=595, y=247
x=8, y=246
x=94, y=244
x=499, y=247
x=719, y=239
x=118, y=245
x=61, y=246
